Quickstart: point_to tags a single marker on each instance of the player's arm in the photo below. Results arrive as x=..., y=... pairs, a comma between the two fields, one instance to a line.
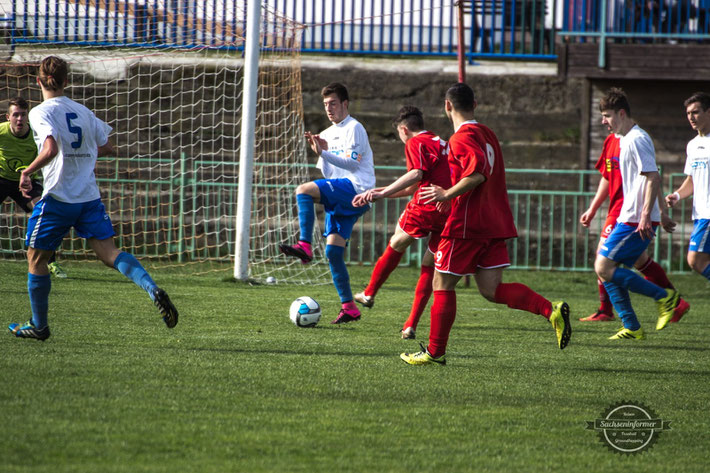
x=106, y=150
x=686, y=189
x=50, y=149
x=397, y=189
x=599, y=198
x=434, y=193
x=651, y=196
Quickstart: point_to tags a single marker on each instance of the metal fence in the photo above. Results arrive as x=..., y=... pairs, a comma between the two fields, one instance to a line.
x=493, y=28
x=547, y=219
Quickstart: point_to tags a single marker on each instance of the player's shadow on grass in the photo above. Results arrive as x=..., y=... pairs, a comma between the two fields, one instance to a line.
x=636, y=345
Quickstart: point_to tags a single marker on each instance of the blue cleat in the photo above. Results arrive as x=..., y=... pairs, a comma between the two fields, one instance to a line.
x=28, y=330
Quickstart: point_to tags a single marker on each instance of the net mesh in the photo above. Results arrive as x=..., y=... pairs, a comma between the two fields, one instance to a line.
x=167, y=76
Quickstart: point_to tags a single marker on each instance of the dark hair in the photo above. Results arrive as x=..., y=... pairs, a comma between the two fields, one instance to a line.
x=337, y=89
x=615, y=99
x=702, y=98
x=18, y=102
x=411, y=117
x=53, y=72
x=461, y=97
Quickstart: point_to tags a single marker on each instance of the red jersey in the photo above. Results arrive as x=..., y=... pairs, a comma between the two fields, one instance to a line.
x=483, y=212
x=608, y=166
x=427, y=152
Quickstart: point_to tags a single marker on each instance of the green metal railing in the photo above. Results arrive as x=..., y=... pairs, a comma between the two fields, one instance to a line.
x=183, y=218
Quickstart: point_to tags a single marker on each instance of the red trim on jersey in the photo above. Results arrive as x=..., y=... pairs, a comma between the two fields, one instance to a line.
x=608, y=166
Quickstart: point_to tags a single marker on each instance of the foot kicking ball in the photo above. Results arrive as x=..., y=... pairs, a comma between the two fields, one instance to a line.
x=305, y=312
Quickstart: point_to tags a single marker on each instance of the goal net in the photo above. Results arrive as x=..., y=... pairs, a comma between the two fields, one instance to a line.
x=167, y=75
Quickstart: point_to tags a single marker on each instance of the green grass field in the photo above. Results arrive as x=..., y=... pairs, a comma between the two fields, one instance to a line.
x=235, y=387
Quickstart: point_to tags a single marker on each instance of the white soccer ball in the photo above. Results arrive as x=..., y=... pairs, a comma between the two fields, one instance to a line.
x=271, y=280
x=305, y=312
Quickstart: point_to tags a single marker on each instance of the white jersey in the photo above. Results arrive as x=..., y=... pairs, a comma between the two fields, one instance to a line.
x=69, y=177
x=636, y=155
x=696, y=166
x=349, y=155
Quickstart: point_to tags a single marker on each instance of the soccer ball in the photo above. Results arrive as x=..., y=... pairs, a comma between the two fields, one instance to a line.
x=305, y=312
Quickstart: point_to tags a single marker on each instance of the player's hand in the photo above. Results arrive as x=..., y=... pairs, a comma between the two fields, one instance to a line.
x=361, y=199
x=672, y=199
x=645, y=228
x=587, y=217
x=316, y=143
x=444, y=207
x=25, y=184
x=667, y=223
x=432, y=193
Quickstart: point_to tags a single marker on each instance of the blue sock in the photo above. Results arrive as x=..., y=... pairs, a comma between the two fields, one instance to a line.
x=621, y=301
x=633, y=282
x=39, y=287
x=706, y=272
x=341, y=278
x=128, y=265
x=306, y=216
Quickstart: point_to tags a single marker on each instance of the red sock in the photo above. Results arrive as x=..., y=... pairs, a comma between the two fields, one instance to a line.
x=443, y=313
x=605, y=307
x=383, y=268
x=421, y=296
x=654, y=273
x=519, y=296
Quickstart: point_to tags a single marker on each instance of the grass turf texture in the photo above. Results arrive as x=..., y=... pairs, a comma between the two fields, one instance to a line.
x=236, y=387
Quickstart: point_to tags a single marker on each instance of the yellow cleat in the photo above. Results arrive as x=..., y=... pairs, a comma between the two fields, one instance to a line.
x=422, y=358
x=666, y=308
x=625, y=333
x=57, y=270
x=560, y=322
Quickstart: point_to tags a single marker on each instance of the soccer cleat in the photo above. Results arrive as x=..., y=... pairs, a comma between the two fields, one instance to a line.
x=347, y=315
x=366, y=301
x=422, y=358
x=28, y=330
x=598, y=316
x=625, y=333
x=297, y=250
x=57, y=270
x=681, y=309
x=560, y=322
x=408, y=333
x=666, y=308
x=162, y=302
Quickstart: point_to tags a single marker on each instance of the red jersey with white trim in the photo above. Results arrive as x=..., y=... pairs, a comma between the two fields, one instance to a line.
x=427, y=152
x=483, y=212
x=608, y=166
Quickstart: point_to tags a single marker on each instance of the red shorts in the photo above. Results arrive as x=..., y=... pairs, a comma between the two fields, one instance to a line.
x=609, y=225
x=418, y=223
x=463, y=257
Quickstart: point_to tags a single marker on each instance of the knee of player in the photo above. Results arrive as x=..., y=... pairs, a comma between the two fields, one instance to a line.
x=604, y=268
x=488, y=293
x=697, y=263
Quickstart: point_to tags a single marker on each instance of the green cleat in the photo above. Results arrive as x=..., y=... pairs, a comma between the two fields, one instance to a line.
x=422, y=358
x=666, y=308
x=560, y=322
x=625, y=333
x=57, y=270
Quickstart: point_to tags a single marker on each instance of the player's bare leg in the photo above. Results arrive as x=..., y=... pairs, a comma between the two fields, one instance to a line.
x=384, y=266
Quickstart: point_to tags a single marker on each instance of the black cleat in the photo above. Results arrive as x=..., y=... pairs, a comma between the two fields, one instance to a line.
x=162, y=302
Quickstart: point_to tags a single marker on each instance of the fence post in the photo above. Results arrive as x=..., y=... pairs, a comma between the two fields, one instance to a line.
x=602, y=36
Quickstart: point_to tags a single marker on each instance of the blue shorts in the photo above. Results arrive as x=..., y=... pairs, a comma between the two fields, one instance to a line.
x=337, y=195
x=699, y=240
x=51, y=220
x=625, y=244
